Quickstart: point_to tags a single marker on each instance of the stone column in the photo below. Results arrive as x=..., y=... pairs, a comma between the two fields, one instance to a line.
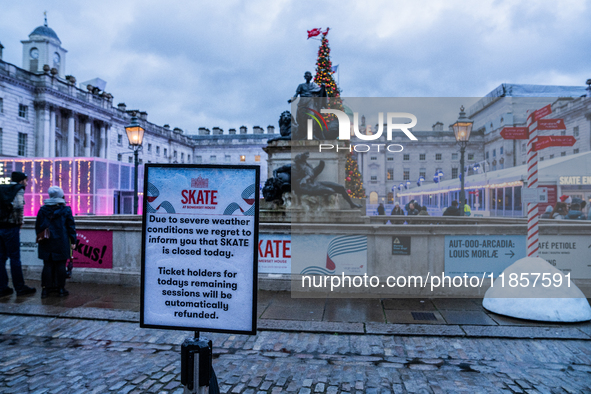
x=46, y=131
x=52, y=133
x=87, y=128
x=103, y=142
x=71, y=135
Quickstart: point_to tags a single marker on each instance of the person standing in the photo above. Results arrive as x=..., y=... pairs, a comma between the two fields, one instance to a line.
x=453, y=210
x=56, y=250
x=11, y=222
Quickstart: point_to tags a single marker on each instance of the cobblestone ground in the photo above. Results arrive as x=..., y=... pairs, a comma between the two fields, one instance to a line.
x=57, y=355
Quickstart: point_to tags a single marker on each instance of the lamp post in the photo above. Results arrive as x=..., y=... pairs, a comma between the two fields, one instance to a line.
x=135, y=134
x=462, y=129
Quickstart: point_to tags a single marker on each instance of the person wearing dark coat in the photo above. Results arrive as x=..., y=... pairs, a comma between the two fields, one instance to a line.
x=575, y=213
x=453, y=210
x=55, y=251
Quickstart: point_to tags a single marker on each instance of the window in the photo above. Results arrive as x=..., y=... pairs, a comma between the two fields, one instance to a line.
x=563, y=132
x=188, y=158
x=212, y=159
x=257, y=158
x=157, y=151
x=119, y=139
x=149, y=147
x=129, y=159
x=140, y=161
x=198, y=159
x=562, y=153
x=551, y=157
x=575, y=129
x=575, y=151
x=182, y=156
x=373, y=158
x=390, y=174
x=165, y=152
x=437, y=156
x=501, y=151
x=174, y=154
x=374, y=178
x=390, y=159
x=423, y=172
x=22, y=111
x=228, y=158
x=22, y=144
x=454, y=173
x=1, y=105
x=242, y=158
x=541, y=159
x=406, y=174
x=0, y=140
x=454, y=156
x=119, y=157
x=470, y=156
x=422, y=157
x=487, y=155
x=406, y=157
x=494, y=153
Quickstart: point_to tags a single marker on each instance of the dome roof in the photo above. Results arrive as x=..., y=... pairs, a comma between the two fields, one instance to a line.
x=44, y=31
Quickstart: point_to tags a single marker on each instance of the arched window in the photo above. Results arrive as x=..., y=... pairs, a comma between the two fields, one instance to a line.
x=373, y=198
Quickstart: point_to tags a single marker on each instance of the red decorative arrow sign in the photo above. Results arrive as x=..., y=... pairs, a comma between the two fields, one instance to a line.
x=548, y=141
x=515, y=133
x=544, y=111
x=551, y=124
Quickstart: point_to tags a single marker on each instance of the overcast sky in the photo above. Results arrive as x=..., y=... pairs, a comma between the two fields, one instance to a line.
x=232, y=63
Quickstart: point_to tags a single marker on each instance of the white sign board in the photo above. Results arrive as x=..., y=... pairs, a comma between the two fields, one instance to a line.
x=200, y=248
x=534, y=195
x=568, y=253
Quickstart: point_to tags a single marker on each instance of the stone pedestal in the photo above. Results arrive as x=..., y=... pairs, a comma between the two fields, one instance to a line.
x=311, y=209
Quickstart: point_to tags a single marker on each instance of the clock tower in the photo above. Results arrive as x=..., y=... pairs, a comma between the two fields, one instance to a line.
x=44, y=47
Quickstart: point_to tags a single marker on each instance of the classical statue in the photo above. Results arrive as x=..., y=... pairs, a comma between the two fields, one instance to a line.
x=305, y=183
x=279, y=184
x=284, y=127
x=307, y=92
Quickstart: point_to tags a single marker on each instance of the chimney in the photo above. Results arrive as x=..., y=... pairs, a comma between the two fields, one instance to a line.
x=1, y=48
x=232, y=131
x=217, y=131
x=258, y=130
x=270, y=129
x=143, y=115
x=166, y=126
x=438, y=126
x=121, y=107
x=243, y=130
x=178, y=130
x=203, y=131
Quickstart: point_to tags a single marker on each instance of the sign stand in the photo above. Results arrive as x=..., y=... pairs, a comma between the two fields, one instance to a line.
x=199, y=258
x=534, y=144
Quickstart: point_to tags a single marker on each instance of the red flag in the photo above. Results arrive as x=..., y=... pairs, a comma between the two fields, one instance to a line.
x=314, y=32
x=326, y=32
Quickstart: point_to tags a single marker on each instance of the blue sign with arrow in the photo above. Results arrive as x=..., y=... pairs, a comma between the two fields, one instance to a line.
x=482, y=254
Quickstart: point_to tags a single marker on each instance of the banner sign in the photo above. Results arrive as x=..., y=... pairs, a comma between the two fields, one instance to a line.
x=94, y=249
x=200, y=248
x=554, y=140
x=274, y=253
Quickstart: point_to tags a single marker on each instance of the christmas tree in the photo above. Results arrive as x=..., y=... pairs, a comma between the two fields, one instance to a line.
x=353, y=181
x=324, y=68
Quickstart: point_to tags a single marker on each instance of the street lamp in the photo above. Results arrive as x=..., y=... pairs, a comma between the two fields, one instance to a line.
x=135, y=134
x=408, y=184
x=462, y=129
